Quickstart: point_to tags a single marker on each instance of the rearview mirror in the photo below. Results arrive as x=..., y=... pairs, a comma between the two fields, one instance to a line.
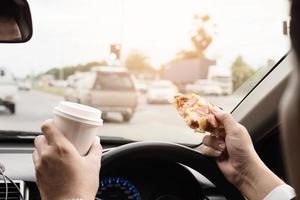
x=15, y=21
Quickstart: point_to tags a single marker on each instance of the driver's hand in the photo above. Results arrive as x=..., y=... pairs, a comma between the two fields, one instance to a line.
x=233, y=149
x=236, y=157
x=61, y=172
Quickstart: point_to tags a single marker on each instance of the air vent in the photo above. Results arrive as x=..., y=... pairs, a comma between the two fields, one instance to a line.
x=13, y=193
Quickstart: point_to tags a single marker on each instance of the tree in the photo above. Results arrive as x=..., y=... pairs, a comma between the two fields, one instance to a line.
x=201, y=40
x=241, y=72
x=185, y=55
x=88, y=66
x=69, y=70
x=138, y=62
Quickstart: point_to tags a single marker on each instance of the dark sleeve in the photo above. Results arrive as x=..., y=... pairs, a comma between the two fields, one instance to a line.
x=295, y=27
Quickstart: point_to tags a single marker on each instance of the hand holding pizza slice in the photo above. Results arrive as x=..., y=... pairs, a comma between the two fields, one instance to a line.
x=196, y=112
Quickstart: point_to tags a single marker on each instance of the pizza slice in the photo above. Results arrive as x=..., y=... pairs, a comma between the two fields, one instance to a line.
x=195, y=111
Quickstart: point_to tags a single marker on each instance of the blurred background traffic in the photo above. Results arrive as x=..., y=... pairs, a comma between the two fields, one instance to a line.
x=132, y=72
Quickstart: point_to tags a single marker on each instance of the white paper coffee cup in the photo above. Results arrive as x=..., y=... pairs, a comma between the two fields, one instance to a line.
x=79, y=123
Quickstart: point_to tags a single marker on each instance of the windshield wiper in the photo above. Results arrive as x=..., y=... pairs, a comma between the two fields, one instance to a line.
x=28, y=137
x=17, y=135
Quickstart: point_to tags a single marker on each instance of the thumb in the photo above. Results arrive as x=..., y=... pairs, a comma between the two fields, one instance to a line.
x=95, y=151
x=224, y=118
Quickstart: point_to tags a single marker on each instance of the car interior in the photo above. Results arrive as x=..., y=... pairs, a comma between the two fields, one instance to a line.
x=152, y=170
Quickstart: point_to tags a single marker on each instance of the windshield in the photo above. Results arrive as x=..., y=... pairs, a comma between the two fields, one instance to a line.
x=225, y=43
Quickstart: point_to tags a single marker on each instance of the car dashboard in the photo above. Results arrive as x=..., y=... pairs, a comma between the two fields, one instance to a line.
x=135, y=179
x=152, y=181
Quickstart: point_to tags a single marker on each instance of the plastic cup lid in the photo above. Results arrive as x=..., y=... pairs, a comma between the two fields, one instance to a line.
x=78, y=112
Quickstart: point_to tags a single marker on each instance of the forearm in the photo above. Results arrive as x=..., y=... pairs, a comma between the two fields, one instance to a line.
x=259, y=182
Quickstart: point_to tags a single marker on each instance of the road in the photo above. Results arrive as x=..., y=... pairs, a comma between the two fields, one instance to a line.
x=150, y=122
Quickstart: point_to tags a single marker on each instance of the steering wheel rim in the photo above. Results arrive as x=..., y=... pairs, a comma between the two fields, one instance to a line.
x=176, y=153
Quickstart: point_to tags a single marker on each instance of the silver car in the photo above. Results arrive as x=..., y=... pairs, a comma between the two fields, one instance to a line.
x=111, y=89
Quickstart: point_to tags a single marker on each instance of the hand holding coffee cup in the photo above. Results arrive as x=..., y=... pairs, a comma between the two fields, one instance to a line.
x=79, y=124
x=59, y=168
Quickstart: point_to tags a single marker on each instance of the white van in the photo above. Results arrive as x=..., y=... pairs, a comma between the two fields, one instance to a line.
x=111, y=89
x=8, y=90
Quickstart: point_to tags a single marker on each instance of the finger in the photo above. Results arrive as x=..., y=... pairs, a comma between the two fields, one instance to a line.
x=224, y=117
x=218, y=129
x=35, y=158
x=219, y=133
x=53, y=135
x=40, y=142
x=95, y=151
x=214, y=142
x=212, y=121
x=208, y=151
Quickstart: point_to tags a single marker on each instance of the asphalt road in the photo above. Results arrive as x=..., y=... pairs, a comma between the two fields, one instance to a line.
x=150, y=122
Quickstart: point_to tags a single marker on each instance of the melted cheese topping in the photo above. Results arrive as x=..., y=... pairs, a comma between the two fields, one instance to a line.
x=194, y=110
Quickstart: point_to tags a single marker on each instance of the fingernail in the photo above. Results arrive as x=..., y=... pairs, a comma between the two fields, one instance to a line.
x=217, y=152
x=222, y=145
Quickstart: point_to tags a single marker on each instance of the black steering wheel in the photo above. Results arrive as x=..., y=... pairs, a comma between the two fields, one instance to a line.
x=174, y=153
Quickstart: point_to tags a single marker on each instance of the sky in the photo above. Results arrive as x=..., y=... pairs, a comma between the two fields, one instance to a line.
x=71, y=32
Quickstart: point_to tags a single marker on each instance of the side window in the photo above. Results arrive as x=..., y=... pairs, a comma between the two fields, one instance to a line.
x=2, y=73
x=98, y=83
x=86, y=82
x=73, y=84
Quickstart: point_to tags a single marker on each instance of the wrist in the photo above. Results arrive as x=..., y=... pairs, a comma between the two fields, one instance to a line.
x=258, y=180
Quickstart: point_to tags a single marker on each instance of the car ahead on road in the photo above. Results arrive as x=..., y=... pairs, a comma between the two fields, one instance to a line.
x=111, y=89
x=141, y=86
x=24, y=85
x=204, y=87
x=221, y=76
x=161, y=91
x=8, y=90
